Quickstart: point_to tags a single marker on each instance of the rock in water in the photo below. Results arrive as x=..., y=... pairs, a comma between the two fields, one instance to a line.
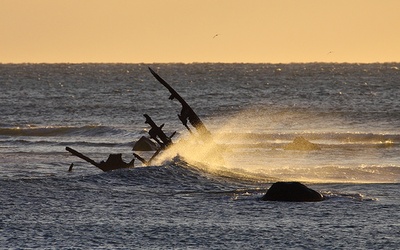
x=299, y=143
x=291, y=191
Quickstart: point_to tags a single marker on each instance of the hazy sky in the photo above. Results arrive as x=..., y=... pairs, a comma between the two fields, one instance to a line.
x=135, y=31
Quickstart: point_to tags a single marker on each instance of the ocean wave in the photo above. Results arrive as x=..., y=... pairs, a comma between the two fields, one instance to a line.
x=342, y=196
x=276, y=140
x=313, y=174
x=338, y=174
x=182, y=176
x=178, y=177
x=90, y=130
x=40, y=143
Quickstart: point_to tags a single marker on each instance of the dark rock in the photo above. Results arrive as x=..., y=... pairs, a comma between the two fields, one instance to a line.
x=291, y=191
x=113, y=162
x=299, y=143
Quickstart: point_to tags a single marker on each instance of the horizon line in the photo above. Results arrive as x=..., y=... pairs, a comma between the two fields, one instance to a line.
x=221, y=62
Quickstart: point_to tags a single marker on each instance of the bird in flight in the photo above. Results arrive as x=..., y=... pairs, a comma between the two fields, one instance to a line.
x=215, y=35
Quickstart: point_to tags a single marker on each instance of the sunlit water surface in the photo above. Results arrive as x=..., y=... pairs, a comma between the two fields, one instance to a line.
x=197, y=200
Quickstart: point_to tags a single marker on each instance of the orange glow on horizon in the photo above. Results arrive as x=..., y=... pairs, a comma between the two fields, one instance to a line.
x=184, y=31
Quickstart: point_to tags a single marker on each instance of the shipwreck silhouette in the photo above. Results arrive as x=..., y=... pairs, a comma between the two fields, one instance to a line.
x=156, y=133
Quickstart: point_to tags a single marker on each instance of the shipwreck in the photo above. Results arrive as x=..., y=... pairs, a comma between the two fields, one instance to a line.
x=157, y=141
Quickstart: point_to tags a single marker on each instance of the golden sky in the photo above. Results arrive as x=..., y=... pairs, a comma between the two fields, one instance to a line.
x=135, y=31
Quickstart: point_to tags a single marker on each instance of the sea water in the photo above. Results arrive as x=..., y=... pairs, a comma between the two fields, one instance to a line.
x=186, y=199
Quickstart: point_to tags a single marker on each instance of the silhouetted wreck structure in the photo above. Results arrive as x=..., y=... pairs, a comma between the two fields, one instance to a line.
x=186, y=115
x=113, y=162
x=156, y=133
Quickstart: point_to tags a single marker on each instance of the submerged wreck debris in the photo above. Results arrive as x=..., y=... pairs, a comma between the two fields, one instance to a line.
x=157, y=134
x=292, y=191
x=144, y=144
x=113, y=162
x=299, y=143
x=70, y=167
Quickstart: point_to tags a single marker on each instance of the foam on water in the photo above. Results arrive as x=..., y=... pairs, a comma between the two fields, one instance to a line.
x=343, y=158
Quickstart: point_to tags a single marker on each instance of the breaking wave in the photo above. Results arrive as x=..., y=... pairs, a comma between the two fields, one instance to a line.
x=178, y=177
x=267, y=175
